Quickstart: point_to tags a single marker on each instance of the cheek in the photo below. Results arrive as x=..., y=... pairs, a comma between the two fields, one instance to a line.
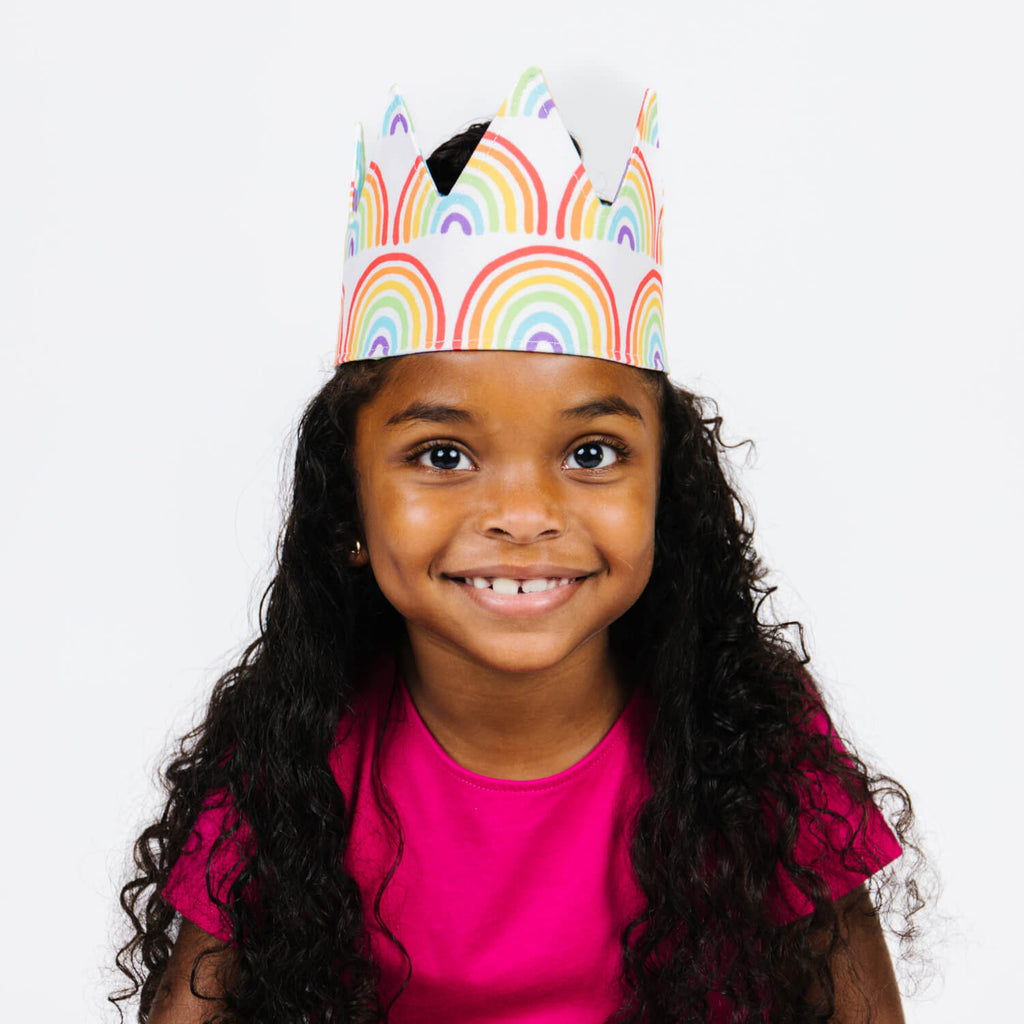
x=623, y=531
x=637, y=530
x=405, y=528
x=628, y=524
x=420, y=510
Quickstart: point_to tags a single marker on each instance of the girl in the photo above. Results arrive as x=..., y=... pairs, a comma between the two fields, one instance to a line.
x=513, y=742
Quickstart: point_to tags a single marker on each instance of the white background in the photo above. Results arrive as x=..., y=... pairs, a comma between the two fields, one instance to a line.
x=844, y=271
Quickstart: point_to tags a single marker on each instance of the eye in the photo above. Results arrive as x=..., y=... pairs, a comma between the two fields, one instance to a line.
x=444, y=456
x=592, y=455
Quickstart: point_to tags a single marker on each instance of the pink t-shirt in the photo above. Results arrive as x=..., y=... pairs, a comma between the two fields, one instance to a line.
x=510, y=896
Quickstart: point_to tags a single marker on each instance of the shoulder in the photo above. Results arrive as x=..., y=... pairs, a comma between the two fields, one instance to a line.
x=200, y=882
x=842, y=837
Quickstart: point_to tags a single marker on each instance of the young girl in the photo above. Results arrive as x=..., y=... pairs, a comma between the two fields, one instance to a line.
x=514, y=742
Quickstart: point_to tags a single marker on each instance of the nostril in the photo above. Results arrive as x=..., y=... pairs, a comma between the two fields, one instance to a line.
x=523, y=518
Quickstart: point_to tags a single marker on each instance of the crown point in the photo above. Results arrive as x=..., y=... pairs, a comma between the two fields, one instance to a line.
x=396, y=120
x=530, y=97
x=647, y=120
x=359, y=167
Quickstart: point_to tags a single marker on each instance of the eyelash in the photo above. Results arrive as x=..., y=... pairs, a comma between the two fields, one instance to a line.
x=622, y=451
x=418, y=452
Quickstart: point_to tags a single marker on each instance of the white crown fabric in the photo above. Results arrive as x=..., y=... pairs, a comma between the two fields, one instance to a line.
x=521, y=254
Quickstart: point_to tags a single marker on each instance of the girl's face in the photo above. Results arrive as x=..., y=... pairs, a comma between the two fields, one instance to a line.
x=508, y=501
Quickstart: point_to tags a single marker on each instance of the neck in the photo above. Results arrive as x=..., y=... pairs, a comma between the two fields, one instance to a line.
x=512, y=725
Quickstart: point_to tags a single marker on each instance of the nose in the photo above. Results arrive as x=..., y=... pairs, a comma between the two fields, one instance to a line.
x=523, y=505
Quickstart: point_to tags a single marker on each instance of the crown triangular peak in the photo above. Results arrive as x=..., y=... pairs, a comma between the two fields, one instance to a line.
x=635, y=216
x=396, y=120
x=358, y=168
x=397, y=149
x=647, y=120
x=530, y=97
x=644, y=148
x=529, y=128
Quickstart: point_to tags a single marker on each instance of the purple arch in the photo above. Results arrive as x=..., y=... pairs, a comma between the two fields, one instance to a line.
x=456, y=218
x=539, y=337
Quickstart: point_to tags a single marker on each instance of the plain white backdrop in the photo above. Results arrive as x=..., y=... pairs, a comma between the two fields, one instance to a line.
x=844, y=269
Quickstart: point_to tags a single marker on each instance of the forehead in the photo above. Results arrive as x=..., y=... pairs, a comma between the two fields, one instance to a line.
x=472, y=378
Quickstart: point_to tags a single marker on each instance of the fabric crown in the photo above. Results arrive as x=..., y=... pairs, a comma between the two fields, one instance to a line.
x=521, y=254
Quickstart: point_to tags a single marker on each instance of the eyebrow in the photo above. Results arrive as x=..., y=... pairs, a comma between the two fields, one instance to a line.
x=608, y=405
x=431, y=412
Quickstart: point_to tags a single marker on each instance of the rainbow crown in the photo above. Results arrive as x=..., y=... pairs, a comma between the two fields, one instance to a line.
x=522, y=254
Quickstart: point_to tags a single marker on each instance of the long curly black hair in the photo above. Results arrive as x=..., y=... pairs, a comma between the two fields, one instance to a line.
x=727, y=755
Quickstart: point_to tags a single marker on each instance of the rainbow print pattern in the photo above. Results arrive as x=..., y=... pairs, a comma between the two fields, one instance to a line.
x=540, y=299
x=355, y=190
x=634, y=218
x=645, y=329
x=396, y=309
x=499, y=190
x=581, y=214
x=530, y=97
x=397, y=119
x=523, y=253
x=368, y=226
x=647, y=122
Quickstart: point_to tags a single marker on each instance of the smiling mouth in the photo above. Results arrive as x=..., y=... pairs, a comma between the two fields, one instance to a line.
x=505, y=585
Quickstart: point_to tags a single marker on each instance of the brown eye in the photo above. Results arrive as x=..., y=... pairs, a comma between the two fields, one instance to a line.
x=444, y=456
x=593, y=455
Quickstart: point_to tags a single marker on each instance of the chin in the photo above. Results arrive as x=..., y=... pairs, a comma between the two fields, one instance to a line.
x=520, y=665
x=521, y=657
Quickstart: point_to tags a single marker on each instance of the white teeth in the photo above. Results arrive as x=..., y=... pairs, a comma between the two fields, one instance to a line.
x=504, y=585
x=536, y=586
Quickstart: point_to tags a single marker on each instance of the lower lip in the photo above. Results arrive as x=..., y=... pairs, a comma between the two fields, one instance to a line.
x=521, y=604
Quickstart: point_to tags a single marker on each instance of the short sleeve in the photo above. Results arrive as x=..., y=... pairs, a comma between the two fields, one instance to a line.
x=197, y=877
x=841, y=839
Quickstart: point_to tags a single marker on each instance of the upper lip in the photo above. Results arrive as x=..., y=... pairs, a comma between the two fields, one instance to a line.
x=519, y=572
